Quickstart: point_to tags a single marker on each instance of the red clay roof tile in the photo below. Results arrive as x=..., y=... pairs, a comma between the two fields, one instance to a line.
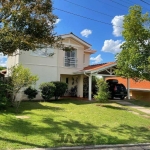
x=98, y=66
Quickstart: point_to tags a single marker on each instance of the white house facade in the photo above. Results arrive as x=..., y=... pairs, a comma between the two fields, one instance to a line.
x=55, y=64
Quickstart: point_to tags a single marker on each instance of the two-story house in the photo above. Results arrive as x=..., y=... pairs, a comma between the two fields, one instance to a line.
x=72, y=67
x=62, y=66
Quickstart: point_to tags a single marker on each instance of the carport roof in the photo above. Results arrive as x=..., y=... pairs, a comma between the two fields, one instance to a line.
x=97, y=68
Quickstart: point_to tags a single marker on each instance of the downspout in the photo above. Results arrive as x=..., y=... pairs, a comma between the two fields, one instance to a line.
x=86, y=74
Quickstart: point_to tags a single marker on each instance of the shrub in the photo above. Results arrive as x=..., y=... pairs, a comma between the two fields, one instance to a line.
x=61, y=88
x=102, y=91
x=31, y=93
x=4, y=94
x=3, y=102
x=47, y=90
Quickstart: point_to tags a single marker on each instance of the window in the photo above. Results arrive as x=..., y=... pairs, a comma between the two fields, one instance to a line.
x=71, y=58
x=43, y=52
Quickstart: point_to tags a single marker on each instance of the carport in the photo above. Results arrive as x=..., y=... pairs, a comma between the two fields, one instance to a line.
x=104, y=70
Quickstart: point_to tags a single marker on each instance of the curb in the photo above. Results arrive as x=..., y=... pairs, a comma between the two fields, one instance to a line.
x=92, y=147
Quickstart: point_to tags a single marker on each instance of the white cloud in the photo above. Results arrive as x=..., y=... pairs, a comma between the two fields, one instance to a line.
x=117, y=23
x=57, y=21
x=3, y=60
x=96, y=60
x=86, y=32
x=112, y=46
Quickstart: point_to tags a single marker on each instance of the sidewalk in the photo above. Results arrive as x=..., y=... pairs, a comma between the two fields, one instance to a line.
x=140, y=108
x=101, y=147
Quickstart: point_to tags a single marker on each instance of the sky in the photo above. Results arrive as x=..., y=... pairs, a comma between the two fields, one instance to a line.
x=98, y=22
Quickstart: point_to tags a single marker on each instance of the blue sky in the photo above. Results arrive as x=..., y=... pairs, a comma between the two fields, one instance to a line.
x=104, y=37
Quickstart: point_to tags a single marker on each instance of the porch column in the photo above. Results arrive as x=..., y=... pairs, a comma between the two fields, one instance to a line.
x=80, y=86
x=128, y=88
x=90, y=87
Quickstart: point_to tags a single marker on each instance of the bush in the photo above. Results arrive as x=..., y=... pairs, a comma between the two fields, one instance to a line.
x=47, y=90
x=102, y=91
x=31, y=93
x=3, y=102
x=61, y=88
x=4, y=93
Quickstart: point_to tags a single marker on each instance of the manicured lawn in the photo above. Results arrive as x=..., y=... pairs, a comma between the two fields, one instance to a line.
x=48, y=122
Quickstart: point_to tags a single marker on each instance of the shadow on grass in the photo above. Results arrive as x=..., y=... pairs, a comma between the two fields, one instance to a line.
x=29, y=105
x=77, y=101
x=29, y=133
x=114, y=107
x=7, y=140
x=52, y=130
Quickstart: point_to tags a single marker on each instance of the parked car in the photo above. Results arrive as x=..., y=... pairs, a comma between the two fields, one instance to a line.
x=116, y=89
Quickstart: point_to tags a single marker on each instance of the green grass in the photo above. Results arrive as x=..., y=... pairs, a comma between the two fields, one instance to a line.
x=140, y=103
x=49, y=121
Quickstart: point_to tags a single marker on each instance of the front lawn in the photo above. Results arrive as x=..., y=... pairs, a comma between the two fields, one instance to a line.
x=62, y=122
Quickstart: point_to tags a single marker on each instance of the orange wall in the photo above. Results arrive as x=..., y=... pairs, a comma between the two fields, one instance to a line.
x=139, y=95
x=140, y=85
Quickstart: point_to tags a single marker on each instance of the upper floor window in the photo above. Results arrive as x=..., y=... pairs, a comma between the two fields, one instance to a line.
x=43, y=52
x=71, y=58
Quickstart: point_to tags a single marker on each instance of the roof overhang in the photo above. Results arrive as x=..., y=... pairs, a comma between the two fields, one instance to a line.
x=99, y=70
x=76, y=38
x=90, y=51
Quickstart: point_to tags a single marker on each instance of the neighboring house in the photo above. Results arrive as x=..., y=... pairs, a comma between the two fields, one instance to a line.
x=58, y=67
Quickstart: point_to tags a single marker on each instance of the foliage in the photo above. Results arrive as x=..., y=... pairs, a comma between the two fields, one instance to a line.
x=102, y=91
x=3, y=101
x=73, y=91
x=134, y=59
x=3, y=94
x=20, y=77
x=60, y=89
x=86, y=86
x=68, y=48
x=2, y=68
x=31, y=92
x=94, y=88
x=47, y=90
x=25, y=25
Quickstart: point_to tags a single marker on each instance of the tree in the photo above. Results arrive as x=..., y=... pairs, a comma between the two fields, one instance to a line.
x=134, y=59
x=27, y=25
x=20, y=77
x=2, y=68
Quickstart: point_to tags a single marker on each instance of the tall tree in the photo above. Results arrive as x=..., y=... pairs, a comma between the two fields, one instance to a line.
x=26, y=25
x=134, y=59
